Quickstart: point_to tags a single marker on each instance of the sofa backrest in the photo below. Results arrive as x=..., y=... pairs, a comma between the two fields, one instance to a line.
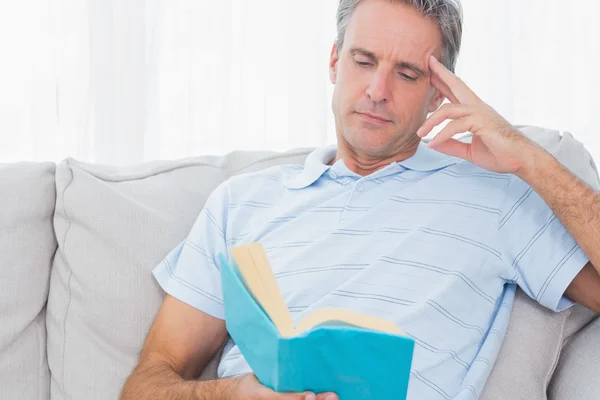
x=114, y=225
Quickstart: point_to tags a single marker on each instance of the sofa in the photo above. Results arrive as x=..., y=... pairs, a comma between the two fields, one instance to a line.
x=78, y=242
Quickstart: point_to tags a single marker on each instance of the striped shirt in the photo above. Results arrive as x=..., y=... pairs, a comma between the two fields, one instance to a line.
x=433, y=243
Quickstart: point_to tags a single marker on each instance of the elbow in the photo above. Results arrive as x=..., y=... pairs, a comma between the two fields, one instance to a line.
x=127, y=392
x=595, y=306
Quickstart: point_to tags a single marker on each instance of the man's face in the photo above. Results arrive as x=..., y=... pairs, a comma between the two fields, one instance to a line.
x=383, y=70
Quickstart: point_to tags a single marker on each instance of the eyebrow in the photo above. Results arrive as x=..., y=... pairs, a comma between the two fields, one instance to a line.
x=399, y=65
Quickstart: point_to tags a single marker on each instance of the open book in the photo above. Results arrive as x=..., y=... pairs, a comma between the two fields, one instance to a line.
x=358, y=356
x=259, y=279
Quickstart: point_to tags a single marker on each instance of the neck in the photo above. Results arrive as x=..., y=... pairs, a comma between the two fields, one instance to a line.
x=364, y=163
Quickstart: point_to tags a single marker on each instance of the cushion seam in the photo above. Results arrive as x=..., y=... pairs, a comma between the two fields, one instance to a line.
x=557, y=352
x=39, y=355
x=69, y=294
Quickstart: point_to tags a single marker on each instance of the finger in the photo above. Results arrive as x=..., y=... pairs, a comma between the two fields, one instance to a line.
x=310, y=396
x=268, y=393
x=443, y=89
x=455, y=85
x=292, y=396
x=453, y=128
x=447, y=111
x=327, y=396
x=454, y=148
x=305, y=396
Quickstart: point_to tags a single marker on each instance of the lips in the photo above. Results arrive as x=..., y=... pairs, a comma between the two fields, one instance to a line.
x=373, y=118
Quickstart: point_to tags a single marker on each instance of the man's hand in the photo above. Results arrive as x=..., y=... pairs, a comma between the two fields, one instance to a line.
x=248, y=387
x=496, y=145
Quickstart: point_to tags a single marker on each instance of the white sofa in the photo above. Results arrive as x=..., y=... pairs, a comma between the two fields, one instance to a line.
x=78, y=242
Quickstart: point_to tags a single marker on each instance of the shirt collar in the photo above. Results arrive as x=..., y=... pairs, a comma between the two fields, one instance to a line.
x=428, y=160
x=316, y=164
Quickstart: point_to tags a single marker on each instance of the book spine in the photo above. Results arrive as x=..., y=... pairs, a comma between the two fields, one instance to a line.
x=282, y=356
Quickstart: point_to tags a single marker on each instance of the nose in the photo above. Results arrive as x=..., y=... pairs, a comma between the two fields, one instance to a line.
x=378, y=90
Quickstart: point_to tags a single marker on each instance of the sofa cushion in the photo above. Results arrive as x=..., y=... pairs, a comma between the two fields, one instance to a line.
x=576, y=376
x=27, y=245
x=113, y=226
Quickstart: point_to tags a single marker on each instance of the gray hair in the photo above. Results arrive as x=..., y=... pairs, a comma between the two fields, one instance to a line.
x=446, y=13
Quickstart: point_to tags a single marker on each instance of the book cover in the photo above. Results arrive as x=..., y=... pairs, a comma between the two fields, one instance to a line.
x=332, y=350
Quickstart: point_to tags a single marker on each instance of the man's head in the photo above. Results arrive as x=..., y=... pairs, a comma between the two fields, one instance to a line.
x=380, y=67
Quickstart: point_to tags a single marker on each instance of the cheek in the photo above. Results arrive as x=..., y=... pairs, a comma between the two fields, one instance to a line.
x=350, y=86
x=411, y=105
x=416, y=99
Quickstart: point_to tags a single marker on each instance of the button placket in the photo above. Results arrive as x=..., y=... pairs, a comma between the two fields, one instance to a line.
x=361, y=184
x=347, y=183
x=358, y=187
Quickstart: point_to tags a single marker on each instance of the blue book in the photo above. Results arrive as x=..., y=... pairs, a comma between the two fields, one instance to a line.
x=357, y=356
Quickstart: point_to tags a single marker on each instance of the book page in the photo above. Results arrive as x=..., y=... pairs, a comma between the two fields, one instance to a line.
x=260, y=281
x=325, y=316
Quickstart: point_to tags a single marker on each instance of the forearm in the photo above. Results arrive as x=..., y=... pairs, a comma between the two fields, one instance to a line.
x=574, y=203
x=160, y=381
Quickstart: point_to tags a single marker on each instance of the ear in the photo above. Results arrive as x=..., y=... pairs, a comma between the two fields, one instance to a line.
x=333, y=60
x=436, y=101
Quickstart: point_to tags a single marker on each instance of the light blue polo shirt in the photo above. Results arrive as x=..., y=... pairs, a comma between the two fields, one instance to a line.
x=433, y=243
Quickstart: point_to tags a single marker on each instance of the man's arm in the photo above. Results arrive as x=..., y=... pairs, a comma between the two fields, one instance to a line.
x=180, y=344
x=578, y=208
x=498, y=147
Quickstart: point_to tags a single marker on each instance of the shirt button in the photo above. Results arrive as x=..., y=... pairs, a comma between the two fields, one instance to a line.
x=333, y=175
x=360, y=187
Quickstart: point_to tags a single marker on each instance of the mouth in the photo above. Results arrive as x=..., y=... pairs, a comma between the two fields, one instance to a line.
x=374, y=119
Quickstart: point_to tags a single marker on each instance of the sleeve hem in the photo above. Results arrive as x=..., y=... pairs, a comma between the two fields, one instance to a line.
x=183, y=293
x=553, y=295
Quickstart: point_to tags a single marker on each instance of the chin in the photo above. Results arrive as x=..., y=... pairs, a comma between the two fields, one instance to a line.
x=369, y=142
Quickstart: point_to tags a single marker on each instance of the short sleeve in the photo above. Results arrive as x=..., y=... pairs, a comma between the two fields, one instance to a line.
x=190, y=272
x=541, y=255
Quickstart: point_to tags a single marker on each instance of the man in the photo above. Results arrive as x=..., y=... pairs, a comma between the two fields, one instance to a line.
x=434, y=237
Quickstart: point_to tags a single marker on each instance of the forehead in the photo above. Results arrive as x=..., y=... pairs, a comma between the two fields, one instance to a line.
x=391, y=29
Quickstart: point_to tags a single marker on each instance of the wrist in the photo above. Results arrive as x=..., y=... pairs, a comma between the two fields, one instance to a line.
x=536, y=161
x=222, y=389
x=229, y=388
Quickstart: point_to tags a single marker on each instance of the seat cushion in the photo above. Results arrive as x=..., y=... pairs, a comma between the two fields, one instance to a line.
x=27, y=245
x=114, y=225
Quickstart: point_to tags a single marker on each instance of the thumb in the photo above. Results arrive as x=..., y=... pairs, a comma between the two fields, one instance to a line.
x=309, y=396
x=454, y=148
x=297, y=396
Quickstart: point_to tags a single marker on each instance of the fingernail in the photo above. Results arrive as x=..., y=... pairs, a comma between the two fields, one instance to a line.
x=435, y=59
x=330, y=397
x=310, y=396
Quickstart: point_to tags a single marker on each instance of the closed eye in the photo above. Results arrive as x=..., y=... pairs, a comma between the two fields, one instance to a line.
x=363, y=63
x=408, y=77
